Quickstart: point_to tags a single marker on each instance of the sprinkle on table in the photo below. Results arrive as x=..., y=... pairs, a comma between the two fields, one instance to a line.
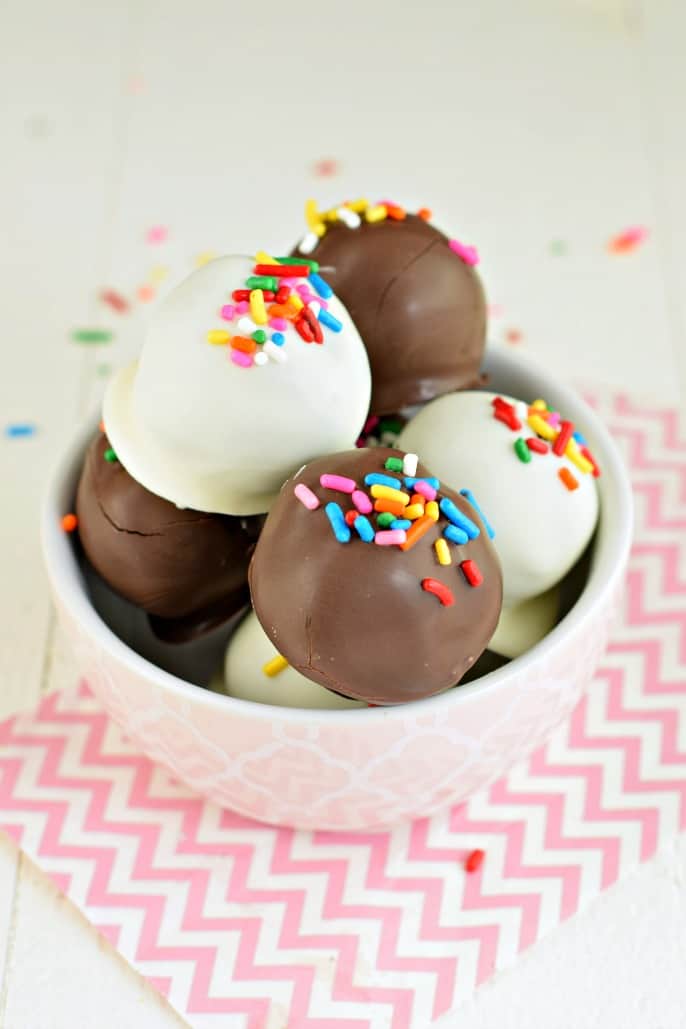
x=115, y=300
x=474, y=861
x=20, y=430
x=156, y=234
x=628, y=240
x=92, y=336
x=274, y=667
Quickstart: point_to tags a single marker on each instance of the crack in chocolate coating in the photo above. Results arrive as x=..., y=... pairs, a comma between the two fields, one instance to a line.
x=174, y=564
x=353, y=616
x=420, y=309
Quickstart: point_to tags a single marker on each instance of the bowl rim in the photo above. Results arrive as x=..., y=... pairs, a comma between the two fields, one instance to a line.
x=69, y=588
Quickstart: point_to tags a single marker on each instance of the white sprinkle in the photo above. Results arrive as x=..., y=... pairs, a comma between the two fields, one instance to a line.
x=308, y=243
x=349, y=218
x=315, y=307
x=261, y=358
x=246, y=324
x=276, y=353
x=410, y=465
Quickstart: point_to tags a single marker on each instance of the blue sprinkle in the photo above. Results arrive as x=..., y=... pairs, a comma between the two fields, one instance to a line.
x=409, y=482
x=455, y=535
x=469, y=496
x=278, y=338
x=326, y=318
x=579, y=438
x=375, y=479
x=18, y=429
x=400, y=523
x=335, y=515
x=323, y=288
x=364, y=529
x=454, y=515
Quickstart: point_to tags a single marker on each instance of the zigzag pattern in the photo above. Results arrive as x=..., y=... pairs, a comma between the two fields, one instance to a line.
x=249, y=926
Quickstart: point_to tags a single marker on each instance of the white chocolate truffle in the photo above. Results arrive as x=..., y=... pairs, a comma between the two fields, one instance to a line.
x=541, y=526
x=248, y=652
x=522, y=626
x=207, y=433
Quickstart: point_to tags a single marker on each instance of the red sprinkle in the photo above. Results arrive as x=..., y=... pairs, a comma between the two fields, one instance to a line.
x=304, y=330
x=474, y=861
x=563, y=438
x=439, y=590
x=506, y=413
x=70, y=522
x=539, y=446
x=288, y=271
x=115, y=300
x=244, y=294
x=313, y=322
x=282, y=294
x=472, y=572
x=350, y=517
x=589, y=457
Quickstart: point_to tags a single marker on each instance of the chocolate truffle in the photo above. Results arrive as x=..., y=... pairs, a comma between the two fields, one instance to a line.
x=418, y=305
x=375, y=580
x=173, y=563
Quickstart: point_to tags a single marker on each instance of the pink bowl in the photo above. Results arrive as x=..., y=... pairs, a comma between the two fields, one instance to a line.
x=356, y=769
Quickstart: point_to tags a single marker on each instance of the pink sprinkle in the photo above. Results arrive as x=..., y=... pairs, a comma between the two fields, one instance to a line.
x=425, y=489
x=302, y=288
x=554, y=418
x=156, y=234
x=338, y=482
x=244, y=360
x=306, y=496
x=242, y=307
x=469, y=255
x=371, y=423
x=227, y=312
x=362, y=502
x=390, y=537
x=288, y=281
x=280, y=324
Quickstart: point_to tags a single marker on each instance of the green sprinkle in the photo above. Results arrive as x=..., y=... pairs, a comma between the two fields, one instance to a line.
x=262, y=282
x=260, y=336
x=110, y=455
x=385, y=519
x=394, y=464
x=91, y=335
x=103, y=369
x=558, y=248
x=314, y=265
x=521, y=450
x=390, y=425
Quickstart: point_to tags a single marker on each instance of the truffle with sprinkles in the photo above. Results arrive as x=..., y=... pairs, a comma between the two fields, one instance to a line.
x=531, y=460
x=374, y=579
x=412, y=292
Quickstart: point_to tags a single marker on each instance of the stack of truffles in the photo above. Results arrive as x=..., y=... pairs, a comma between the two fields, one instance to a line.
x=306, y=445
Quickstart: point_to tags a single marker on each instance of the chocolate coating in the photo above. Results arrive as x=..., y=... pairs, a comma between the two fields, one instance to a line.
x=353, y=616
x=172, y=563
x=420, y=309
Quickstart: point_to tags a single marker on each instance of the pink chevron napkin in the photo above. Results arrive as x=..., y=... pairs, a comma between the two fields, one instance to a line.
x=242, y=925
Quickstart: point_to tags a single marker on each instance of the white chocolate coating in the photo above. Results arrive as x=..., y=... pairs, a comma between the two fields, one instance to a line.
x=541, y=527
x=522, y=626
x=193, y=427
x=248, y=651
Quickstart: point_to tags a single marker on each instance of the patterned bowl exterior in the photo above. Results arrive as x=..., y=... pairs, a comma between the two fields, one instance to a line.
x=358, y=769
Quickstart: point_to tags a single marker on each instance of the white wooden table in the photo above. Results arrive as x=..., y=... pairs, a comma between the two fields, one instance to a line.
x=530, y=128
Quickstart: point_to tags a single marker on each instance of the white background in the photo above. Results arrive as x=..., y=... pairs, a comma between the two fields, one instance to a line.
x=529, y=126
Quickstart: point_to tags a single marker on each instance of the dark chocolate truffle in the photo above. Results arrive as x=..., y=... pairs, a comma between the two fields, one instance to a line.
x=172, y=563
x=418, y=306
x=371, y=616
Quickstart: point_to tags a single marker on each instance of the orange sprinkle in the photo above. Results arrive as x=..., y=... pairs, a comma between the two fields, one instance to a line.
x=248, y=346
x=418, y=498
x=69, y=522
x=568, y=479
x=425, y=213
x=393, y=507
x=281, y=311
x=416, y=531
x=101, y=425
x=395, y=212
x=145, y=293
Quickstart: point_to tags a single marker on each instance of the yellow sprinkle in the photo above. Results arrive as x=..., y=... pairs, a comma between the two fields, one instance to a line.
x=158, y=274
x=276, y=665
x=578, y=459
x=380, y=492
x=442, y=552
x=358, y=206
x=218, y=336
x=312, y=216
x=541, y=427
x=204, y=258
x=294, y=302
x=431, y=510
x=540, y=405
x=331, y=215
x=262, y=257
x=376, y=213
x=258, y=311
x=319, y=229
x=413, y=511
